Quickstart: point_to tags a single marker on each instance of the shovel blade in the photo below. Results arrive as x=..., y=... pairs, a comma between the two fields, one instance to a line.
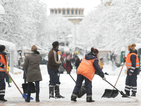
x=110, y=93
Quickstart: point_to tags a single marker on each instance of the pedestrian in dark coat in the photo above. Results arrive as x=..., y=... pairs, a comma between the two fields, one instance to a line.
x=3, y=71
x=53, y=66
x=33, y=74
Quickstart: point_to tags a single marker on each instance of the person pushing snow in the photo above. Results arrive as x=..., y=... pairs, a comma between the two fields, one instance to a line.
x=86, y=71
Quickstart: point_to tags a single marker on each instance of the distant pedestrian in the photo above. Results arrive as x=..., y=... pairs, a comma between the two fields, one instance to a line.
x=68, y=64
x=7, y=76
x=53, y=66
x=24, y=73
x=132, y=64
x=3, y=71
x=33, y=74
x=101, y=63
x=77, y=62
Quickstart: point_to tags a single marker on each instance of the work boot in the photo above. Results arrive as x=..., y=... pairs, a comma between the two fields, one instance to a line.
x=2, y=99
x=51, y=91
x=57, y=92
x=133, y=94
x=126, y=95
x=73, y=97
x=27, y=99
x=89, y=98
x=37, y=99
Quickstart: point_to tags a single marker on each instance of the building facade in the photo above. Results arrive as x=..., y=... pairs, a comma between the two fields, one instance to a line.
x=75, y=15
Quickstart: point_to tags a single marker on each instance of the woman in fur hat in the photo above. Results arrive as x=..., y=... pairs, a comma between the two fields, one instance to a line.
x=132, y=64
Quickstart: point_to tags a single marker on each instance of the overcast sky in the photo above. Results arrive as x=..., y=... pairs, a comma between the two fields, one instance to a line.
x=88, y=5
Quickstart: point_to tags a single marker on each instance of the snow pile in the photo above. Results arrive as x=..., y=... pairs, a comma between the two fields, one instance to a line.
x=112, y=27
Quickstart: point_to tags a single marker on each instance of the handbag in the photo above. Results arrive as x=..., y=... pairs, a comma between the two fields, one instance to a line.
x=25, y=85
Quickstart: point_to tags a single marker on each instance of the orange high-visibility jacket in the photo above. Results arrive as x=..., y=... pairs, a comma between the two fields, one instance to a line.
x=128, y=60
x=4, y=62
x=86, y=68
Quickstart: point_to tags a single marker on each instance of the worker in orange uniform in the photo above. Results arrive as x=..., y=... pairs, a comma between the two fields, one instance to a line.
x=3, y=71
x=86, y=71
x=132, y=64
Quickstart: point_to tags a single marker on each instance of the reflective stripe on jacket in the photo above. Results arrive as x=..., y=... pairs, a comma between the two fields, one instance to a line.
x=86, y=68
x=129, y=62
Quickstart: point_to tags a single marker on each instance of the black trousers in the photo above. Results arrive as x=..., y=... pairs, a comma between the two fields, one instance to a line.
x=78, y=85
x=30, y=87
x=2, y=84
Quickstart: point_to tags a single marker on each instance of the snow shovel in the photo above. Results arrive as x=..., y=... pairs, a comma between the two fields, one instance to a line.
x=23, y=95
x=82, y=89
x=112, y=93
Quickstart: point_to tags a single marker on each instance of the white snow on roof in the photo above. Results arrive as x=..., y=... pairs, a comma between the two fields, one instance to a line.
x=7, y=43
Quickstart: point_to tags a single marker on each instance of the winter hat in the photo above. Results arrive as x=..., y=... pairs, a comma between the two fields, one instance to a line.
x=55, y=44
x=92, y=49
x=2, y=48
x=96, y=51
x=34, y=48
x=132, y=47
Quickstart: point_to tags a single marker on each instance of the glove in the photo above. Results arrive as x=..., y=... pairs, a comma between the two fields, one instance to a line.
x=1, y=65
x=104, y=78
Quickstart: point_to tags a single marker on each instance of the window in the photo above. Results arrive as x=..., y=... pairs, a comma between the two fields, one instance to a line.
x=55, y=11
x=52, y=11
x=68, y=11
x=79, y=12
x=59, y=11
x=75, y=11
x=72, y=12
x=63, y=11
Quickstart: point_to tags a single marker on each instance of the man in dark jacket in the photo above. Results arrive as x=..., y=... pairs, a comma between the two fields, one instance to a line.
x=53, y=66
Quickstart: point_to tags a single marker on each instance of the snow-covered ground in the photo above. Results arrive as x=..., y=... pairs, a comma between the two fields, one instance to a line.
x=67, y=84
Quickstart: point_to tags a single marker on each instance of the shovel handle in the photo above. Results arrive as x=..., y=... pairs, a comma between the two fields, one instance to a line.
x=112, y=85
x=14, y=83
x=119, y=74
x=69, y=74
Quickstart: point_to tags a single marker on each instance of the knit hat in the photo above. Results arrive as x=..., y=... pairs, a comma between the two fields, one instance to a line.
x=2, y=48
x=55, y=44
x=34, y=48
x=92, y=49
x=96, y=51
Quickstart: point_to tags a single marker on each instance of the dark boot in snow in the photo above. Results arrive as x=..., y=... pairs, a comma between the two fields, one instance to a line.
x=27, y=99
x=57, y=92
x=73, y=97
x=133, y=94
x=37, y=99
x=2, y=99
x=89, y=98
x=126, y=95
x=51, y=91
